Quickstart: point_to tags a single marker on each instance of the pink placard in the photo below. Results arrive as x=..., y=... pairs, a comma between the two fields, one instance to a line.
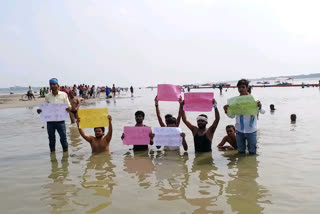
x=198, y=101
x=167, y=92
x=136, y=135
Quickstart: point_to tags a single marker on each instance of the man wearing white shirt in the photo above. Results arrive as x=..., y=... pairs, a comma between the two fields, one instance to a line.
x=56, y=96
x=246, y=125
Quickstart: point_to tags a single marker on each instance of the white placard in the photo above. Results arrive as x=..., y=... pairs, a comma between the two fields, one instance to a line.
x=54, y=112
x=167, y=136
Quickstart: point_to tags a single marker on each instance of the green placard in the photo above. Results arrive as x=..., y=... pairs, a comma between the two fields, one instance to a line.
x=242, y=105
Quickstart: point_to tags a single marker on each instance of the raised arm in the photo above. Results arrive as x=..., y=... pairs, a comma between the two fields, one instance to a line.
x=109, y=135
x=156, y=103
x=84, y=135
x=215, y=123
x=179, y=114
x=184, y=118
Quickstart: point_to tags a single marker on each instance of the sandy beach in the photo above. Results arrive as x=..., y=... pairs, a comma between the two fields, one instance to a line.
x=15, y=101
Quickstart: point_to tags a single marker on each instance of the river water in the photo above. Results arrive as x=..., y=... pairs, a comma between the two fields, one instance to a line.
x=282, y=178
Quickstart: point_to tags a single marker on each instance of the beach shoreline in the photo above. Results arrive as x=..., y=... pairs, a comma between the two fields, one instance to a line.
x=15, y=101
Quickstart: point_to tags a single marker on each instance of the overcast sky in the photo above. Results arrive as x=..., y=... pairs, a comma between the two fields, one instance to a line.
x=141, y=43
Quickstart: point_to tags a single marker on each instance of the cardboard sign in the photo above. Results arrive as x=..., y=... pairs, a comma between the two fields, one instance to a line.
x=242, y=105
x=51, y=112
x=167, y=92
x=167, y=136
x=198, y=101
x=91, y=118
x=136, y=135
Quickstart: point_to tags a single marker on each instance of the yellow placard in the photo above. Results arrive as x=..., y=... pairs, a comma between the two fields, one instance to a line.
x=91, y=118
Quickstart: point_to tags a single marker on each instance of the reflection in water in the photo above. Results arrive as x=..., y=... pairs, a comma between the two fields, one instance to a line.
x=59, y=193
x=205, y=193
x=75, y=139
x=99, y=176
x=172, y=175
x=141, y=165
x=243, y=192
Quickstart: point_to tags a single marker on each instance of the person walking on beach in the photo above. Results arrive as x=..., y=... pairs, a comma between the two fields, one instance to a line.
x=56, y=96
x=139, y=117
x=201, y=135
x=131, y=90
x=114, y=91
x=99, y=142
x=30, y=94
x=246, y=125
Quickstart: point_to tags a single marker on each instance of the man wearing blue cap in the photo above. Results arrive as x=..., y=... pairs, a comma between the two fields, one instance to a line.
x=56, y=96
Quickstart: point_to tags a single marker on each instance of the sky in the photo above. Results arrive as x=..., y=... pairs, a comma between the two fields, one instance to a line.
x=149, y=42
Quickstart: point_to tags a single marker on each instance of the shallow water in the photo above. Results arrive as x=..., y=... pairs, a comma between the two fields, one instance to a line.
x=282, y=178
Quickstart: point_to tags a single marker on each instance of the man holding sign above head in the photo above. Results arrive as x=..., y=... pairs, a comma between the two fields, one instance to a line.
x=139, y=135
x=99, y=142
x=202, y=136
x=56, y=97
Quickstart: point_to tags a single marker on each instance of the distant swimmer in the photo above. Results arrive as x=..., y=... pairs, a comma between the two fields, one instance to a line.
x=99, y=142
x=229, y=138
x=293, y=118
x=75, y=105
x=201, y=135
x=139, y=117
x=272, y=107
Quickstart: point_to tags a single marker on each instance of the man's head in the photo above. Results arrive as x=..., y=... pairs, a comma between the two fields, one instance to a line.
x=171, y=122
x=99, y=132
x=202, y=121
x=293, y=117
x=54, y=84
x=243, y=86
x=231, y=130
x=272, y=107
x=167, y=116
x=139, y=116
x=71, y=94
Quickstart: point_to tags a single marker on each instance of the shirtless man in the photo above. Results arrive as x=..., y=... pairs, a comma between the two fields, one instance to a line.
x=100, y=142
x=75, y=104
x=201, y=135
x=229, y=138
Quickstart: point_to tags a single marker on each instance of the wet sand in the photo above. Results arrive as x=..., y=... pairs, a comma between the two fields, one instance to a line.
x=15, y=101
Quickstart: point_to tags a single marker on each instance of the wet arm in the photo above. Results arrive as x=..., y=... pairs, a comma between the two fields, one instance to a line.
x=158, y=113
x=109, y=135
x=216, y=121
x=184, y=119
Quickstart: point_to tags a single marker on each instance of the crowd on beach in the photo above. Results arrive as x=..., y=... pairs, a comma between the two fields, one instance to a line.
x=242, y=136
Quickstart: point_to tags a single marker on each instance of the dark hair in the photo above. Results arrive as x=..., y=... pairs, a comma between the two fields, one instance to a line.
x=243, y=82
x=293, y=117
x=203, y=115
x=102, y=128
x=139, y=113
x=171, y=120
x=167, y=116
x=230, y=127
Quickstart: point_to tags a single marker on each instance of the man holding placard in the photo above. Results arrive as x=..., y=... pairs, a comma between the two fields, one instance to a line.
x=57, y=97
x=99, y=142
x=201, y=135
x=245, y=109
x=139, y=134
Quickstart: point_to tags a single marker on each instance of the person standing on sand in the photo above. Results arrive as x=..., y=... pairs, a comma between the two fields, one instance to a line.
x=56, y=96
x=114, y=91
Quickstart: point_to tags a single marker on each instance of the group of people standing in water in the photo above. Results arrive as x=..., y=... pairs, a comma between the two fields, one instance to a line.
x=242, y=136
